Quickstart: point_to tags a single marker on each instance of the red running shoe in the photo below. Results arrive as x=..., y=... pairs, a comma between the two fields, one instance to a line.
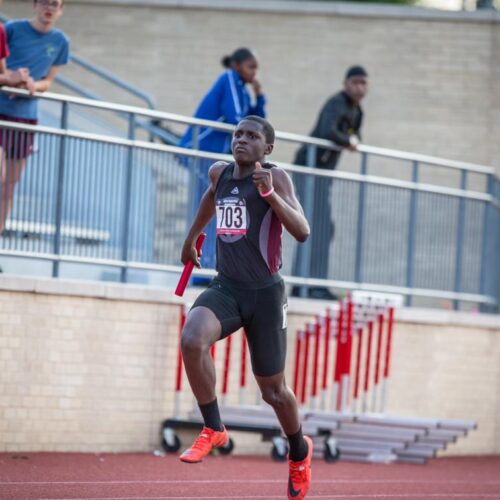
x=203, y=445
x=299, y=479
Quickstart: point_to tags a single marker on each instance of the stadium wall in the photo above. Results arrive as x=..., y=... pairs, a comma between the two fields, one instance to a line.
x=91, y=367
x=433, y=75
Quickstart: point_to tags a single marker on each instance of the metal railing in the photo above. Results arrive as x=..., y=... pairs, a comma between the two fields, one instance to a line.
x=155, y=130
x=111, y=78
x=427, y=241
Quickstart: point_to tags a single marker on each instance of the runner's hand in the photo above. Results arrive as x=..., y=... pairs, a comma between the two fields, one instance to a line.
x=257, y=86
x=189, y=253
x=262, y=178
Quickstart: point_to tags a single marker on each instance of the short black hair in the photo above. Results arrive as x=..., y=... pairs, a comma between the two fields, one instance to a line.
x=266, y=127
x=355, y=71
x=62, y=2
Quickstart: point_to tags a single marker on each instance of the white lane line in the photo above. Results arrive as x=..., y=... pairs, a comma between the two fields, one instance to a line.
x=424, y=496
x=262, y=481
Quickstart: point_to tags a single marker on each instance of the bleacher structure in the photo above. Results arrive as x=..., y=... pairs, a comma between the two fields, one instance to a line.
x=343, y=403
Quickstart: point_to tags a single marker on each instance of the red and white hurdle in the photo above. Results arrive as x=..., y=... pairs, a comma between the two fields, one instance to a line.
x=359, y=334
x=340, y=378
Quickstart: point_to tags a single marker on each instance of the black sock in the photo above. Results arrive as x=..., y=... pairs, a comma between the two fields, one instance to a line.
x=298, y=446
x=211, y=415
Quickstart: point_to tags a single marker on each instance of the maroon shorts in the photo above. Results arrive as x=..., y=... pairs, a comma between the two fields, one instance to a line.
x=17, y=144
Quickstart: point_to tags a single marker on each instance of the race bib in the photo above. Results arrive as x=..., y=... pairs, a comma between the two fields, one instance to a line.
x=231, y=216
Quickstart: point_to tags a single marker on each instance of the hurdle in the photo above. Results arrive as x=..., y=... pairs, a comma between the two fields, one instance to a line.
x=356, y=369
x=360, y=333
x=341, y=378
x=326, y=322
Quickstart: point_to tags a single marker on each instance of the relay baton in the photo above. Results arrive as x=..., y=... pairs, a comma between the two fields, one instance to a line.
x=188, y=267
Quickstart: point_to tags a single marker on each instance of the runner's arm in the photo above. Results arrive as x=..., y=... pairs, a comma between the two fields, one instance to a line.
x=206, y=211
x=286, y=206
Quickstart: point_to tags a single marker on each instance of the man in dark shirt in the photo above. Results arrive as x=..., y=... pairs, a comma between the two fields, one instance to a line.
x=339, y=121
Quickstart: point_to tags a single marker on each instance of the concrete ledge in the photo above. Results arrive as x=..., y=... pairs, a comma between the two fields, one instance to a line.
x=151, y=294
x=442, y=317
x=324, y=8
x=77, y=288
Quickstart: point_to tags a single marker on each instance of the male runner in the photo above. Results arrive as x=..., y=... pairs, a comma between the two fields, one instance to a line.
x=253, y=200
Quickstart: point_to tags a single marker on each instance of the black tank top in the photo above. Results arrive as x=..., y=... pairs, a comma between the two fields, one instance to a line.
x=248, y=231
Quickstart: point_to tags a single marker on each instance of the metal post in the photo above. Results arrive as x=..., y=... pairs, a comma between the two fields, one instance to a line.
x=326, y=351
x=194, y=180
x=411, y=233
x=496, y=228
x=460, y=240
x=358, y=275
x=60, y=190
x=307, y=203
x=127, y=197
x=485, y=251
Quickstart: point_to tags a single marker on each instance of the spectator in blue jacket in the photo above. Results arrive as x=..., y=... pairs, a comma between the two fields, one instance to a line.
x=228, y=101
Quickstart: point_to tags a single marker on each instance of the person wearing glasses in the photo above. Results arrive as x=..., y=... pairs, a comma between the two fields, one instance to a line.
x=36, y=45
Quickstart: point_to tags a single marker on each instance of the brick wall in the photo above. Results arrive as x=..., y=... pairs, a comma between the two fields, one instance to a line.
x=91, y=367
x=79, y=373
x=433, y=74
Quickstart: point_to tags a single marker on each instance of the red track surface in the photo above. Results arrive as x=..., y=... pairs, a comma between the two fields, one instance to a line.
x=51, y=475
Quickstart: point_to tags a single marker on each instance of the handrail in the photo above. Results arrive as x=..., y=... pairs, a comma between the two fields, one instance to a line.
x=106, y=75
x=146, y=125
x=293, y=280
x=176, y=150
x=125, y=108
x=428, y=160
x=162, y=115
x=74, y=87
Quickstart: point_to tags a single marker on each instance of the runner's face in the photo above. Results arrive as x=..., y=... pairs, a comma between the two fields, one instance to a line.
x=249, y=142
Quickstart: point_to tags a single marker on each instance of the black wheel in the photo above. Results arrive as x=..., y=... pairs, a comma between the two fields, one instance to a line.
x=331, y=453
x=279, y=450
x=228, y=448
x=170, y=442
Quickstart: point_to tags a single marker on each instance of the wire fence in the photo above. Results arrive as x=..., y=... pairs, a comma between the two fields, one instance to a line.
x=127, y=204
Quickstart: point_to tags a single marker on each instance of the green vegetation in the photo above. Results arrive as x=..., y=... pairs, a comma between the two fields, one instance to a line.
x=402, y=2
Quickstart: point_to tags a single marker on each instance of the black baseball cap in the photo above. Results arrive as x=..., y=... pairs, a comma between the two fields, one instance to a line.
x=355, y=71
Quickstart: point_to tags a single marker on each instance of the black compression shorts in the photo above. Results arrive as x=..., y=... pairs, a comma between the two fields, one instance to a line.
x=261, y=311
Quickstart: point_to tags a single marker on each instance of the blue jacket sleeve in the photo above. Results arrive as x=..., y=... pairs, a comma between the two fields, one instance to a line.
x=260, y=107
x=231, y=106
